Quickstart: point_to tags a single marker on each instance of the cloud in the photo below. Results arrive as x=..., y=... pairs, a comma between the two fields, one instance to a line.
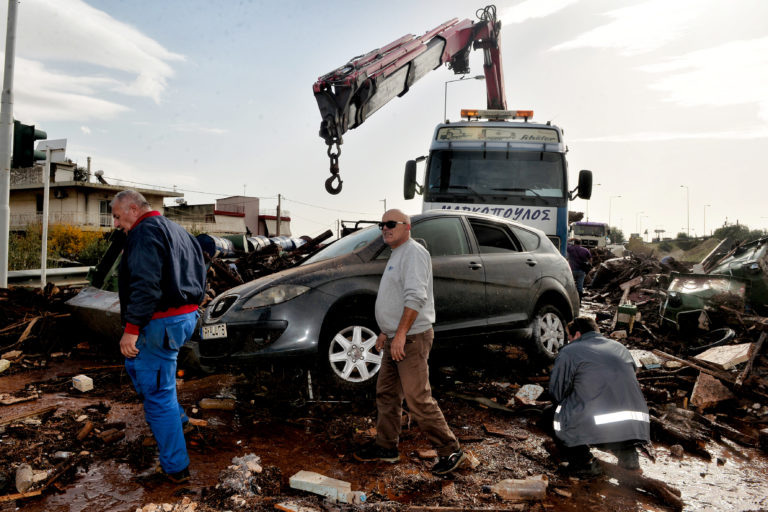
x=530, y=9
x=641, y=28
x=734, y=73
x=758, y=132
x=85, y=130
x=196, y=128
x=70, y=57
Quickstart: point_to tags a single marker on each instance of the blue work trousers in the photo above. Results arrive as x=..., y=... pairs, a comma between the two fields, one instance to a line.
x=578, y=277
x=153, y=373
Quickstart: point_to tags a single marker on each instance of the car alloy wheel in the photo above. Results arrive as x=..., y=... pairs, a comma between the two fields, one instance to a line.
x=549, y=331
x=352, y=354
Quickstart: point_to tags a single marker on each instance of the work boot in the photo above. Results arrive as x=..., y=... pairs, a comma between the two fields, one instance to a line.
x=372, y=452
x=180, y=477
x=448, y=463
x=628, y=458
x=585, y=471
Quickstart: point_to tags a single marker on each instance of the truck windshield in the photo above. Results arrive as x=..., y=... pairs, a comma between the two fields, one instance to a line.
x=588, y=230
x=482, y=176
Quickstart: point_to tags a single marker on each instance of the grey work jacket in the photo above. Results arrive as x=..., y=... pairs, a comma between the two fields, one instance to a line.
x=597, y=394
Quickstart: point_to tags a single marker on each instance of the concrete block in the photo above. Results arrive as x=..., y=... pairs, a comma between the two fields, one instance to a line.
x=709, y=391
x=337, y=490
x=727, y=356
x=82, y=383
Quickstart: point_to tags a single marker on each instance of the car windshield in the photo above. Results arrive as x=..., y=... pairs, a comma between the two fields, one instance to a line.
x=588, y=230
x=494, y=175
x=346, y=245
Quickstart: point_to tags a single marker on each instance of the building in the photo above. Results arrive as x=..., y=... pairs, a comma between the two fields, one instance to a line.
x=80, y=198
x=229, y=215
x=75, y=197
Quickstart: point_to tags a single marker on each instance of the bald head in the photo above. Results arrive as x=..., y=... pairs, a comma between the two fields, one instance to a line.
x=400, y=232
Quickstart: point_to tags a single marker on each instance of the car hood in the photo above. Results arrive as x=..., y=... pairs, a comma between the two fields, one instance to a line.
x=314, y=274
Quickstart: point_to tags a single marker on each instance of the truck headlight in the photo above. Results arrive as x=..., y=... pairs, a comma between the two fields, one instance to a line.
x=275, y=295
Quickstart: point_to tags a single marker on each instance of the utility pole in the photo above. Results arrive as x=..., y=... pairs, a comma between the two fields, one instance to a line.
x=6, y=120
x=279, y=214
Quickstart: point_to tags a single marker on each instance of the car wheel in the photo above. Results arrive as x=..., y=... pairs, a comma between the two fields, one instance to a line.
x=349, y=355
x=548, y=331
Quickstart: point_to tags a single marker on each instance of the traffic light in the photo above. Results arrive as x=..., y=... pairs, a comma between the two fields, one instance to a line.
x=24, y=137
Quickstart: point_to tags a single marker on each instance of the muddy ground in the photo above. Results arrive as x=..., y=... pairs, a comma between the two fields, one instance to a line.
x=275, y=419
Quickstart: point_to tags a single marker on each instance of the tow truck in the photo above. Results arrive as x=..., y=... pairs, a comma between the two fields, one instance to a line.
x=488, y=162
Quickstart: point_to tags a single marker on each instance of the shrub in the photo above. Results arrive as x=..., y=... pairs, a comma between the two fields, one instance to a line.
x=64, y=241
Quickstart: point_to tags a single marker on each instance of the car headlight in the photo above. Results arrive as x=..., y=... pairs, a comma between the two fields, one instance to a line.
x=275, y=295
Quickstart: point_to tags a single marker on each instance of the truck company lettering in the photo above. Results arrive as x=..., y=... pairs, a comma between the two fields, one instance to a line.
x=539, y=138
x=518, y=213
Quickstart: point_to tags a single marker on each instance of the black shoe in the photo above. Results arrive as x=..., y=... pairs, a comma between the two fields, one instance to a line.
x=180, y=477
x=448, y=463
x=628, y=458
x=586, y=471
x=372, y=452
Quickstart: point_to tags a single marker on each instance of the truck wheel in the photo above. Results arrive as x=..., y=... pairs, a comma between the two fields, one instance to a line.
x=348, y=355
x=548, y=334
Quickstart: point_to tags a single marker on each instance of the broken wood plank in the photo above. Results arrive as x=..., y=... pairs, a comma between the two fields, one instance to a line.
x=39, y=412
x=719, y=375
x=692, y=440
x=25, y=334
x=754, y=350
x=727, y=356
x=486, y=402
x=20, y=496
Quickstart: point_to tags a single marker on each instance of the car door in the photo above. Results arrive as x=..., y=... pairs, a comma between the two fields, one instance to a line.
x=458, y=275
x=511, y=273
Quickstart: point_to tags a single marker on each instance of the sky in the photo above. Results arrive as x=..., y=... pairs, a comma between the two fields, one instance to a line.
x=665, y=101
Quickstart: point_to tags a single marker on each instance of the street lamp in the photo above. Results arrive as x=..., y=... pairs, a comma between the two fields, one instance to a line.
x=637, y=222
x=610, y=199
x=688, y=207
x=704, y=233
x=445, y=95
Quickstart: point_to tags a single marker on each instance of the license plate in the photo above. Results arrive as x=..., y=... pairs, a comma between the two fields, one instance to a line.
x=214, y=331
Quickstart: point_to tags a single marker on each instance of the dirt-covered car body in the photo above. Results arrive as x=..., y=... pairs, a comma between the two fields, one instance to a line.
x=493, y=278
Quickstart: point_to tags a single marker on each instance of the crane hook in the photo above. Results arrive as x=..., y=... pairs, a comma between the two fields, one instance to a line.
x=329, y=184
x=334, y=158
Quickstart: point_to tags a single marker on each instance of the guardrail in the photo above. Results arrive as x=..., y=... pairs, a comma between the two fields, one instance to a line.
x=58, y=276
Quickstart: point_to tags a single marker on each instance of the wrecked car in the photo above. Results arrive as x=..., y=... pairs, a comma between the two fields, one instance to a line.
x=735, y=278
x=493, y=280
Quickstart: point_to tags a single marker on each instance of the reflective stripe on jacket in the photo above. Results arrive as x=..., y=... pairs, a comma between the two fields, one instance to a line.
x=598, y=396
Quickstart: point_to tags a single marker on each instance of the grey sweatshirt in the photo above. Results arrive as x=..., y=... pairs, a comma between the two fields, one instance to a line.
x=406, y=282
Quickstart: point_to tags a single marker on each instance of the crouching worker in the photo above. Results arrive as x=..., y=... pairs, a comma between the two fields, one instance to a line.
x=161, y=284
x=598, y=401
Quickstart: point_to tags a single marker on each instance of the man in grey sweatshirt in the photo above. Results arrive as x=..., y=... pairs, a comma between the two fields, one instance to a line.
x=405, y=312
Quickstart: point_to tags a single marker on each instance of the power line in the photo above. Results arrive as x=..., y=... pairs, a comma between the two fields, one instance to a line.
x=325, y=208
x=177, y=189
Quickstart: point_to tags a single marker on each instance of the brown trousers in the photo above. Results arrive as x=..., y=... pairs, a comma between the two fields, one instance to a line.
x=409, y=379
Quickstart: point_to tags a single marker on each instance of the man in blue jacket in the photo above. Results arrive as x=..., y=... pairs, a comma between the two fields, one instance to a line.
x=161, y=283
x=598, y=399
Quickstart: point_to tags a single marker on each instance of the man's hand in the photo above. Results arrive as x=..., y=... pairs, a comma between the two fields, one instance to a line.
x=380, y=341
x=128, y=345
x=397, y=347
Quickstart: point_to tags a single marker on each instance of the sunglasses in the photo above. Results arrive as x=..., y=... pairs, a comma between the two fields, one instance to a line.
x=390, y=224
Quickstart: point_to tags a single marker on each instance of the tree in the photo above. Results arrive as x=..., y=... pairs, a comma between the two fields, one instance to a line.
x=617, y=235
x=682, y=235
x=734, y=232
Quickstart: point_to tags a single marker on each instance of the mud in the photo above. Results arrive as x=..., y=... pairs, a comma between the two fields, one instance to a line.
x=275, y=420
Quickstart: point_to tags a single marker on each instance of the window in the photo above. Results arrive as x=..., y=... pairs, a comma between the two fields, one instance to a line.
x=443, y=236
x=530, y=241
x=493, y=239
x=105, y=214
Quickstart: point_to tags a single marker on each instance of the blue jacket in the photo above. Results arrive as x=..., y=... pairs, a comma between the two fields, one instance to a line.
x=597, y=394
x=161, y=270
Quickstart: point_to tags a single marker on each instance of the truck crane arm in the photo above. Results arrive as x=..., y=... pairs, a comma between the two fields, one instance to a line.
x=347, y=96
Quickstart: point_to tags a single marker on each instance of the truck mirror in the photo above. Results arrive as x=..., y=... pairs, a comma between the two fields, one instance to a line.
x=409, y=182
x=585, y=184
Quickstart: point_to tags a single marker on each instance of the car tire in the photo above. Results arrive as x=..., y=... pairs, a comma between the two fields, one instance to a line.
x=548, y=332
x=348, y=355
